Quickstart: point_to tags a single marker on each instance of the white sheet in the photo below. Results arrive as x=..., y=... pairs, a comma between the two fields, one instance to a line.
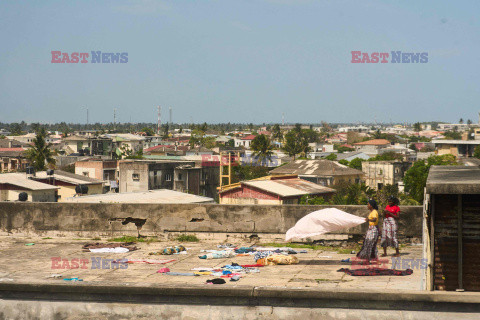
x=321, y=222
x=110, y=250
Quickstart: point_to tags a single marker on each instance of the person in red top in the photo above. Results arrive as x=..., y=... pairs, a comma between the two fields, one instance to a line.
x=389, y=232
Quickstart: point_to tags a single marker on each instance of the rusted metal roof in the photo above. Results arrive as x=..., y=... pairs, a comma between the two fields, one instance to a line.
x=324, y=168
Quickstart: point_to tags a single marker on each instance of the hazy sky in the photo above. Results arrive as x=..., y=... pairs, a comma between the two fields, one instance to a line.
x=240, y=61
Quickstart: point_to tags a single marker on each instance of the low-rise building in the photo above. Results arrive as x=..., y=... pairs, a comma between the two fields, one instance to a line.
x=272, y=190
x=178, y=175
x=105, y=170
x=323, y=172
x=458, y=148
x=67, y=182
x=245, y=141
x=349, y=156
x=381, y=173
x=371, y=147
x=12, y=159
x=12, y=184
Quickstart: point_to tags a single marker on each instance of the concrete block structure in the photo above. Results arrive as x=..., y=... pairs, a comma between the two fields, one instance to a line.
x=451, y=228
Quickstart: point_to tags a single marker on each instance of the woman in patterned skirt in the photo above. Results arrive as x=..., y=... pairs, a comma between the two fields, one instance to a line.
x=369, y=249
x=389, y=232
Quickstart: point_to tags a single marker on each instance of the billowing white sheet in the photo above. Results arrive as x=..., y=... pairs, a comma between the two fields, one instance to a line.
x=323, y=221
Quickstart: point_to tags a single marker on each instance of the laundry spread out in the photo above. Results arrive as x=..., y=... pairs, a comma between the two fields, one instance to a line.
x=73, y=279
x=219, y=254
x=181, y=274
x=128, y=245
x=149, y=261
x=110, y=250
x=376, y=272
x=279, y=259
x=170, y=251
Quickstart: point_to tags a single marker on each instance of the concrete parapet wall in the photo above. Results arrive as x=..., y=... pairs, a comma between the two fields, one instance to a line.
x=95, y=219
x=133, y=301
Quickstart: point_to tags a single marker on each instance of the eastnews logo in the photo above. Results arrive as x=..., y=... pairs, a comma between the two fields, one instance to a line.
x=396, y=57
x=97, y=263
x=95, y=57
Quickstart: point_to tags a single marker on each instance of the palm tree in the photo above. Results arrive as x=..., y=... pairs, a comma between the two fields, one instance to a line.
x=277, y=133
x=262, y=148
x=39, y=155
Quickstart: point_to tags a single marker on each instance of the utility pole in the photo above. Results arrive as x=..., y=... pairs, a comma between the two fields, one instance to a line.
x=159, y=119
x=170, y=110
x=114, y=118
x=87, y=116
x=283, y=118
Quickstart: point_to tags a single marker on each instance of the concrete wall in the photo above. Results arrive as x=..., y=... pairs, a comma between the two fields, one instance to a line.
x=69, y=191
x=90, y=219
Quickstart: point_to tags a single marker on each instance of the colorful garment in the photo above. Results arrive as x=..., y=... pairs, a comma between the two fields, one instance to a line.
x=369, y=248
x=376, y=272
x=392, y=211
x=373, y=215
x=389, y=233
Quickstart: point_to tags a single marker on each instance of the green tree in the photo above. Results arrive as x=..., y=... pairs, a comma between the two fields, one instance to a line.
x=387, y=156
x=148, y=131
x=199, y=138
x=277, y=133
x=476, y=152
x=356, y=163
x=417, y=127
x=16, y=129
x=262, y=148
x=294, y=144
x=460, y=121
x=310, y=135
x=39, y=154
x=453, y=135
x=415, y=178
x=343, y=161
x=248, y=172
x=166, y=128
x=342, y=149
x=331, y=157
x=312, y=200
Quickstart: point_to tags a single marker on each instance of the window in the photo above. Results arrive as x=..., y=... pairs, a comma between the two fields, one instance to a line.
x=179, y=176
x=168, y=177
x=136, y=177
x=85, y=173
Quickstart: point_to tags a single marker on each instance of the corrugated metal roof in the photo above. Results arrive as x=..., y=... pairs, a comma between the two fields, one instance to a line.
x=374, y=142
x=324, y=168
x=68, y=177
x=289, y=187
x=151, y=196
x=21, y=180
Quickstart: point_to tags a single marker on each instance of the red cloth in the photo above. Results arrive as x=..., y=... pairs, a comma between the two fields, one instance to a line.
x=252, y=265
x=392, y=211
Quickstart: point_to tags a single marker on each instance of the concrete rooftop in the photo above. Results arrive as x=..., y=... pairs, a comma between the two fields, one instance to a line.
x=316, y=269
x=453, y=180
